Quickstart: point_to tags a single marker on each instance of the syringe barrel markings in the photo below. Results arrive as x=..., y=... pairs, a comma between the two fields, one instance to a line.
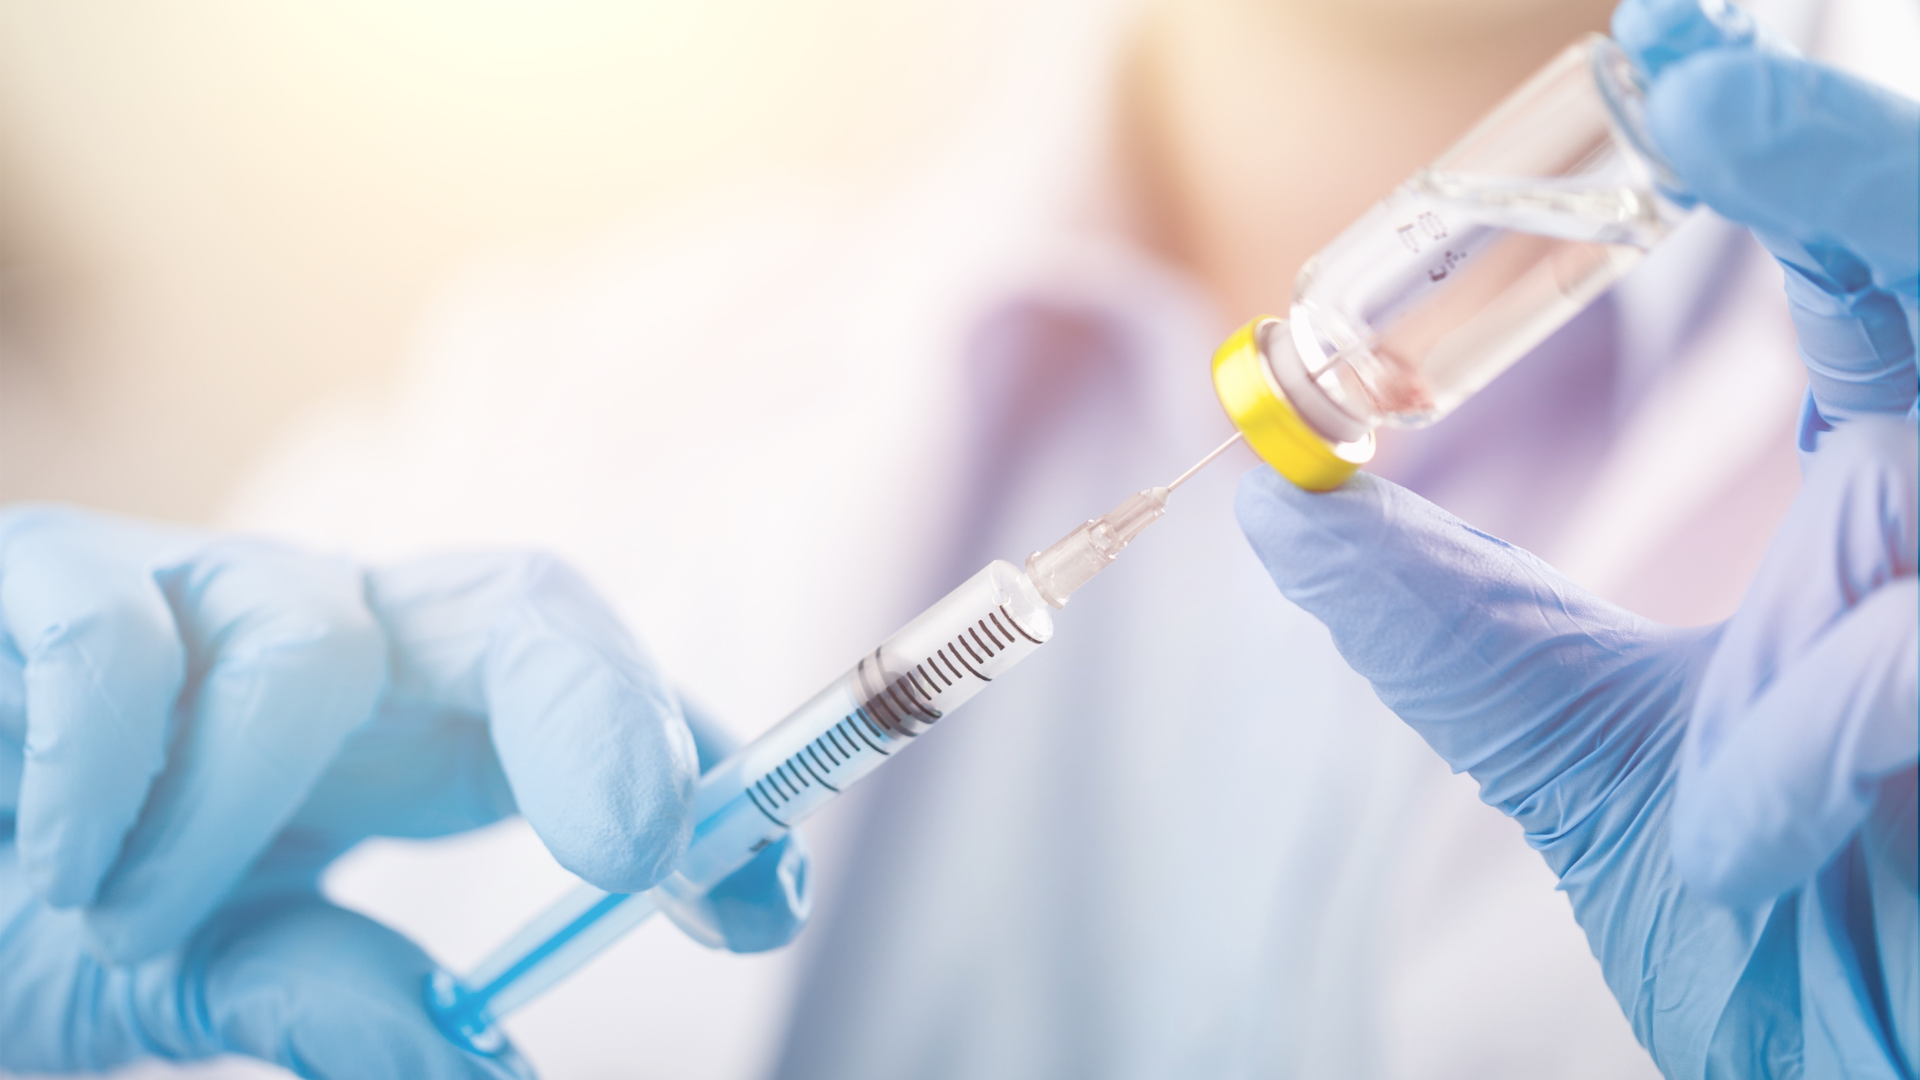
x=932, y=666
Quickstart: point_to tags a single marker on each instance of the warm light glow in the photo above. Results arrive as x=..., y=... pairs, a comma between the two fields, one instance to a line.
x=242, y=204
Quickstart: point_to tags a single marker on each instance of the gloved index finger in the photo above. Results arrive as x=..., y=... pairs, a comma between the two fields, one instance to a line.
x=1657, y=33
x=287, y=662
x=1799, y=149
x=1825, y=168
x=1508, y=670
x=104, y=665
x=589, y=735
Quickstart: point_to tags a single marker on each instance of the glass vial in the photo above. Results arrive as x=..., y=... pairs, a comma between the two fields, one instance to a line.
x=1477, y=258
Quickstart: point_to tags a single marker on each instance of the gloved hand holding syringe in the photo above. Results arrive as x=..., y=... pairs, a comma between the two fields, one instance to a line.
x=932, y=666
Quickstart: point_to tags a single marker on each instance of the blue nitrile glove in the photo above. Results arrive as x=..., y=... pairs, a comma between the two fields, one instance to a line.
x=1824, y=167
x=1572, y=714
x=1809, y=701
x=192, y=726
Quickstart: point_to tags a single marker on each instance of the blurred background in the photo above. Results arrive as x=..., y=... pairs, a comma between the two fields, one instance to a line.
x=214, y=211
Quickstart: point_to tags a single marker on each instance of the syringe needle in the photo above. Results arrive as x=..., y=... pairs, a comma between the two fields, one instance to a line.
x=1202, y=463
x=1059, y=571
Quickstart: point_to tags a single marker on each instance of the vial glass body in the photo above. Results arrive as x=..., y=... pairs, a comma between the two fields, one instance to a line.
x=1477, y=258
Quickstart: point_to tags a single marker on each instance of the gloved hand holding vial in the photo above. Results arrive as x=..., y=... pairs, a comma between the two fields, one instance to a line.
x=1731, y=809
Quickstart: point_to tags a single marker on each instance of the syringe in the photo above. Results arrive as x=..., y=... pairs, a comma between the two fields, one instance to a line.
x=932, y=666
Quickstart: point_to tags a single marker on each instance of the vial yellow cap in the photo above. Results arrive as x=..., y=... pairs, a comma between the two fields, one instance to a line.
x=1244, y=380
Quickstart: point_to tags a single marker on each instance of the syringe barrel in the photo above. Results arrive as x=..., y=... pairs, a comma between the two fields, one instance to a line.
x=932, y=666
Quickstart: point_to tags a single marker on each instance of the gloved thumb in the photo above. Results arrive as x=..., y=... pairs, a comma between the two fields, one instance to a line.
x=1508, y=670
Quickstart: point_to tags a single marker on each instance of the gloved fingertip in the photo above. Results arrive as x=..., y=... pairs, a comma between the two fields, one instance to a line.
x=623, y=819
x=1710, y=114
x=329, y=994
x=764, y=904
x=1726, y=120
x=1658, y=33
x=591, y=738
x=1309, y=538
x=1260, y=506
x=619, y=819
x=1273, y=511
x=1796, y=149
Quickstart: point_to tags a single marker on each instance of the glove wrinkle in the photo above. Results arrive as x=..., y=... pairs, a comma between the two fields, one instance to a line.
x=1572, y=714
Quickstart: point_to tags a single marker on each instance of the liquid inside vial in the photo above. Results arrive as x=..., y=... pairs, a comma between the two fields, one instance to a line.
x=1470, y=264
x=1485, y=268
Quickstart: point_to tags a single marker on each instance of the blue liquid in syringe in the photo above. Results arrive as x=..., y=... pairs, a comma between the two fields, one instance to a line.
x=753, y=798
